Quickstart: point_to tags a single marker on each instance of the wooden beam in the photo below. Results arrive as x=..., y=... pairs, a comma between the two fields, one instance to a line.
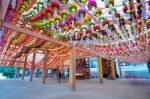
x=34, y=34
x=3, y=9
x=37, y=35
x=11, y=60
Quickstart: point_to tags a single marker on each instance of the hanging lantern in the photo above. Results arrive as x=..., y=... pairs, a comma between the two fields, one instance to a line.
x=92, y=24
x=81, y=13
x=97, y=28
x=88, y=31
x=36, y=9
x=117, y=15
x=98, y=12
x=125, y=9
x=82, y=1
x=72, y=19
x=57, y=20
x=49, y=12
x=78, y=24
x=55, y=6
x=83, y=28
x=101, y=19
x=92, y=5
x=87, y=19
x=64, y=1
x=51, y=22
x=22, y=8
x=40, y=4
x=73, y=7
x=106, y=23
x=64, y=14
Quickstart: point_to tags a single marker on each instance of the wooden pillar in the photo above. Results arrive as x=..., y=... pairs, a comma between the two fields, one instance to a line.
x=100, y=69
x=37, y=72
x=89, y=71
x=24, y=68
x=57, y=72
x=113, y=72
x=46, y=72
x=32, y=66
x=18, y=71
x=44, y=68
x=120, y=70
x=72, y=68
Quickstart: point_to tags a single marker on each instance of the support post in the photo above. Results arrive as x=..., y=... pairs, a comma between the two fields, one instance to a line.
x=89, y=71
x=57, y=71
x=18, y=71
x=113, y=72
x=72, y=68
x=46, y=72
x=100, y=69
x=44, y=66
x=37, y=72
x=24, y=68
x=120, y=70
x=32, y=66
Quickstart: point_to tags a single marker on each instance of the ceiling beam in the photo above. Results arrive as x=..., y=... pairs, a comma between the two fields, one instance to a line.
x=37, y=35
x=3, y=8
x=34, y=34
x=11, y=60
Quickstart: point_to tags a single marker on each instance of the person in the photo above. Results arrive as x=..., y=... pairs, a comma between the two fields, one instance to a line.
x=59, y=76
x=126, y=75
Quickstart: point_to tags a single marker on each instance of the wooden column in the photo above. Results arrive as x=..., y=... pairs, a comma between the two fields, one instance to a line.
x=89, y=71
x=100, y=69
x=46, y=72
x=57, y=71
x=18, y=71
x=72, y=68
x=32, y=66
x=37, y=72
x=44, y=68
x=120, y=70
x=24, y=68
x=113, y=72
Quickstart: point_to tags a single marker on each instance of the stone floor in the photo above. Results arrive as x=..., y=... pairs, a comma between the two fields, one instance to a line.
x=86, y=89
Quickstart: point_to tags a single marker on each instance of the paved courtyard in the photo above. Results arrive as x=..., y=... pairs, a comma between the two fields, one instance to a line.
x=86, y=89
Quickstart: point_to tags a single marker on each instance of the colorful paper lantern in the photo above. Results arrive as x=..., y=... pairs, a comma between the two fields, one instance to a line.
x=98, y=12
x=83, y=1
x=64, y=13
x=92, y=5
x=87, y=19
x=97, y=28
x=81, y=13
x=64, y=1
x=78, y=24
x=55, y=6
x=49, y=12
x=72, y=19
x=73, y=7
